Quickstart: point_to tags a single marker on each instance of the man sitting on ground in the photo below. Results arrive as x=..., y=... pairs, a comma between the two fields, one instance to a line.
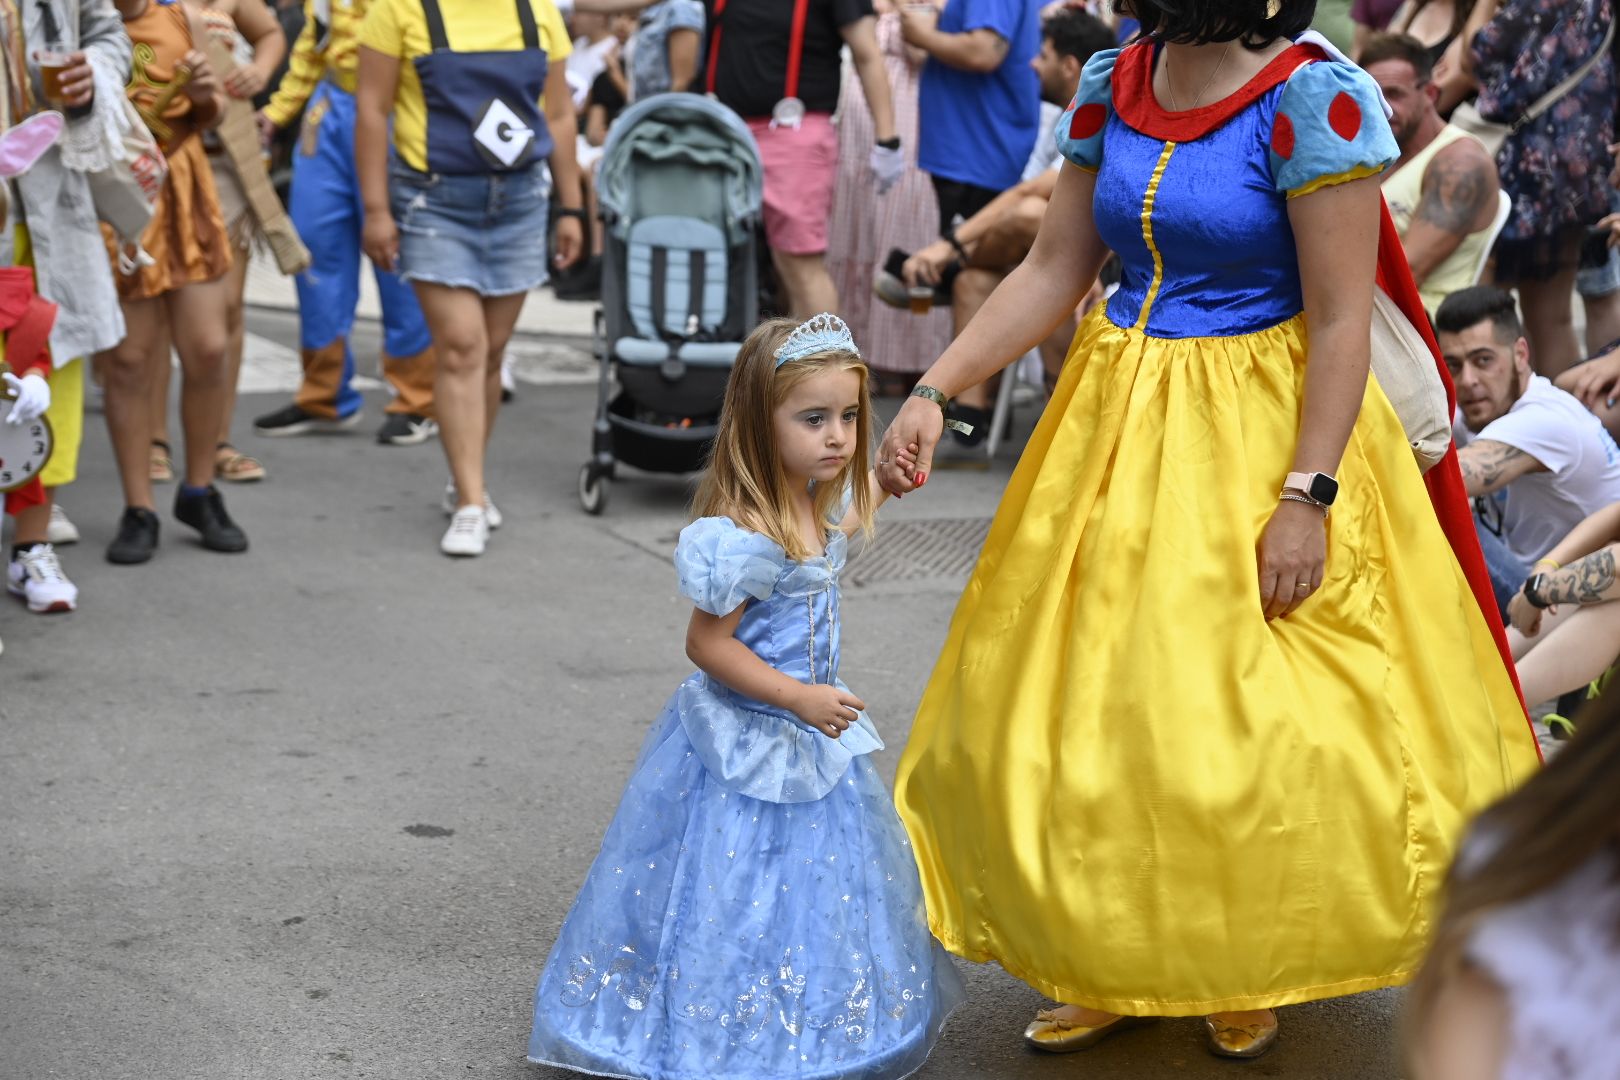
x=1535, y=460
x=1443, y=191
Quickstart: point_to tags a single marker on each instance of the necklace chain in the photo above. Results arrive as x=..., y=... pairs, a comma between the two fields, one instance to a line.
x=1170, y=85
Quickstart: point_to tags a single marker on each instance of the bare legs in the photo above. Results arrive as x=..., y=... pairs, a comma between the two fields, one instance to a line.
x=1574, y=647
x=470, y=334
x=235, y=283
x=1549, y=314
x=808, y=287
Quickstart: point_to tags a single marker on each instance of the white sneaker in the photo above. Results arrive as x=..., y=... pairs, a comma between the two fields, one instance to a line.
x=492, y=515
x=37, y=577
x=467, y=534
x=61, y=531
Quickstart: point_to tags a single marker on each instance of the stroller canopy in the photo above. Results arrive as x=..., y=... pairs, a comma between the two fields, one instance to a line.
x=664, y=155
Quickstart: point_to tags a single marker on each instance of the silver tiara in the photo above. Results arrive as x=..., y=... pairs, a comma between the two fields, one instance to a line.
x=822, y=333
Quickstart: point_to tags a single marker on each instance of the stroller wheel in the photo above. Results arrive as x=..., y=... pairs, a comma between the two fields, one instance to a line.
x=592, y=489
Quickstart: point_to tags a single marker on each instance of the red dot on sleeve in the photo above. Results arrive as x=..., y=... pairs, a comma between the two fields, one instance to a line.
x=1282, y=136
x=1088, y=120
x=1344, y=117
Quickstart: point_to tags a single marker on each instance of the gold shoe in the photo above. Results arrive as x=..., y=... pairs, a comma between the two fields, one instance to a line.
x=1239, y=1040
x=1056, y=1034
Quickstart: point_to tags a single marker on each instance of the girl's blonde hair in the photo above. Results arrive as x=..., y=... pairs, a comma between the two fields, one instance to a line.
x=744, y=479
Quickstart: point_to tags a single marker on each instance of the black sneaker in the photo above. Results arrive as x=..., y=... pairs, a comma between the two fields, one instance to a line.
x=137, y=537
x=206, y=513
x=406, y=429
x=292, y=420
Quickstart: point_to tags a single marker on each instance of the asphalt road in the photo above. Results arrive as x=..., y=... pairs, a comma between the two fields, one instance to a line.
x=315, y=812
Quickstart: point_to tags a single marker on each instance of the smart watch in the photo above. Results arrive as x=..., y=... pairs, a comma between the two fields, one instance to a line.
x=1318, y=487
x=1532, y=592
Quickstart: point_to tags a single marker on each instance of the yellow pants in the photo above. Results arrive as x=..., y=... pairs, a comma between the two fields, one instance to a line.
x=66, y=413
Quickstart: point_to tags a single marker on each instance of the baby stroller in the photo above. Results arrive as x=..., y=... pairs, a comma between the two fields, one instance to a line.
x=680, y=191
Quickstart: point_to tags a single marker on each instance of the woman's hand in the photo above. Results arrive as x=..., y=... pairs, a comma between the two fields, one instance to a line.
x=1594, y=381
x=826, y=708
x=379, y=239
x=246, y=81
x=1524, y=616
x=569, y=242
x=204, y=84
x=1292, y=555
x=906, y=453
x=78, y=82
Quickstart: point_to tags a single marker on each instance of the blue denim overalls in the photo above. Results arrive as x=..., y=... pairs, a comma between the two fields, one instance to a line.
x=483, y=107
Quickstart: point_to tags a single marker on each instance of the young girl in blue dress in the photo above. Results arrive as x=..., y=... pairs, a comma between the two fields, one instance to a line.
x=755, y=910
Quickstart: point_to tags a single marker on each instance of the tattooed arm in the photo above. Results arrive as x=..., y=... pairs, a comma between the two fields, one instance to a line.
x=1489, y=466
x=1459, y=198
x=1588, y=580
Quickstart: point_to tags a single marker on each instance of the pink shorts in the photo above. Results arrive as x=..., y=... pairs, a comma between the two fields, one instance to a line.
x=801, y=166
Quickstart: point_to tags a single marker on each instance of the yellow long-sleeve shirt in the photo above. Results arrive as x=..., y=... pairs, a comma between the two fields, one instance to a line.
x=329, y=43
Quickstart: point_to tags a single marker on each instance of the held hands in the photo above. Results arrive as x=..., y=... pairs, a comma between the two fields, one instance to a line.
x=1292, y=555
x=569, y=242
x=379, y=239
x=906, y=453
x=888, y=165
x=78, y=82
x=1524, y=616
x=204, y=83
x=826, y=708
x=33, y=397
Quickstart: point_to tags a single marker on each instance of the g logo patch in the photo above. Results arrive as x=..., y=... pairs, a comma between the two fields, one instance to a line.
x=502, y=138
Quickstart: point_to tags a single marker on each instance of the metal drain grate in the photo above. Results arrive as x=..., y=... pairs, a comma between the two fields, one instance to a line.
x=914, y=550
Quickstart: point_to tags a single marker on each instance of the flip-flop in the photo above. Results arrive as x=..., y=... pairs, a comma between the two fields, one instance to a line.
x=238, y=468
x=161, y=464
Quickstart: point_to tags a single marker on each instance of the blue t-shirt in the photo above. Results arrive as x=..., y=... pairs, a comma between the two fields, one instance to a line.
x=979, y=128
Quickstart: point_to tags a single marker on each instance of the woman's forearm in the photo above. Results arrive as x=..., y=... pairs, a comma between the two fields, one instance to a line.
x=1335, y=384
x=875, y=85
x=371, y=159
x=1592, y=533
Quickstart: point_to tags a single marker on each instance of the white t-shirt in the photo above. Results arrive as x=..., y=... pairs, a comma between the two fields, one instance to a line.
x=1045, y=155
x=1582, y=460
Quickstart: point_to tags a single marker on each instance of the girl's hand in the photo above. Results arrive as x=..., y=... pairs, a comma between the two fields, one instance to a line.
x=379, y=239
x=246, y=81
x=204, y=84
x=569, y=242
x=1524, y=616
x=907, y=447
x=1292, y=553
x=826, y=708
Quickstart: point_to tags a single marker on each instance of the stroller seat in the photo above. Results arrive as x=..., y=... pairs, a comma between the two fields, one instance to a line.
x=676, y=294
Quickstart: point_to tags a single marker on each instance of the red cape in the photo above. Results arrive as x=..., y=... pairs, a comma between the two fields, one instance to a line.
x=1445, y=482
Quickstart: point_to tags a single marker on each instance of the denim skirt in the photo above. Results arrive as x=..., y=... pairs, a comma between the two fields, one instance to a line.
x=484, y=233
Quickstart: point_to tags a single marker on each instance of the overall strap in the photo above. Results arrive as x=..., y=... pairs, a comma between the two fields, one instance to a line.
x=435, y=25
x=531, y=32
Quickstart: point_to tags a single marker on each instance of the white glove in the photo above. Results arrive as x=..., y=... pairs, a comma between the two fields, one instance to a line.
x=888, y=166
x=33, y=397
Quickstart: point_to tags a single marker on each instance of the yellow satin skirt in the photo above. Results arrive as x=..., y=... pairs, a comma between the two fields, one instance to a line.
x=1133, y=792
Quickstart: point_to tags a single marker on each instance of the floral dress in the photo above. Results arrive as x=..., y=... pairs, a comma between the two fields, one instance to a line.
x=1557, y=167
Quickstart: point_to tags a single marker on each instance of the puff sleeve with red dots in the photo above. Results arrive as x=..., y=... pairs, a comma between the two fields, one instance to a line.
x=1329, y=129
x=1080, y=130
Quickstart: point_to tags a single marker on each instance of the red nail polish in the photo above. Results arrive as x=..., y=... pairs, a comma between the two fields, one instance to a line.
x=922, y=478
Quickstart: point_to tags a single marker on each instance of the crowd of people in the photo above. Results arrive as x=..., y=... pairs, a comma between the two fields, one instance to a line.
x=964, y=182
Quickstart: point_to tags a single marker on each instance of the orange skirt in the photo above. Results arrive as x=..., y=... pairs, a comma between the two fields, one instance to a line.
x=186, y=237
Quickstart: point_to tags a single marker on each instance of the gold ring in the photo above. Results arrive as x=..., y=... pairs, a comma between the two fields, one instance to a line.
x=1302, y=587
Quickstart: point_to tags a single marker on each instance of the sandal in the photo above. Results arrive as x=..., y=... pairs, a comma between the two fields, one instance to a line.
x=233, y=465
x=161, y=465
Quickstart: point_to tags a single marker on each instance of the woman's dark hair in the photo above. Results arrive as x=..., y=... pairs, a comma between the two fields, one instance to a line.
x=1557, y=823
x=1200, y=22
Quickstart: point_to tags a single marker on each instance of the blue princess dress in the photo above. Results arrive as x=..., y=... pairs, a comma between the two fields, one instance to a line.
x=755, y=910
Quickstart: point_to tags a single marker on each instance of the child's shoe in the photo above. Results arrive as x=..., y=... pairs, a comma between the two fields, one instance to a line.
x=36, y=577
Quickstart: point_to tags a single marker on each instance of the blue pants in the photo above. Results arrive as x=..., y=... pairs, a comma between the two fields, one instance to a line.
x=326, y=210
x=1508, y=571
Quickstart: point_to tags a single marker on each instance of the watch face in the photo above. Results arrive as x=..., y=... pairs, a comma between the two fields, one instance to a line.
x=1324, y=489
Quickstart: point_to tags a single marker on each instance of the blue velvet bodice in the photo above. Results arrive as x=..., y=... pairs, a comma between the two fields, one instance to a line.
x=1219, y=223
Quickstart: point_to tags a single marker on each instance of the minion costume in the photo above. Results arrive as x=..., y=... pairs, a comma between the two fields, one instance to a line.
x=1123, y=784
x=326, y=210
